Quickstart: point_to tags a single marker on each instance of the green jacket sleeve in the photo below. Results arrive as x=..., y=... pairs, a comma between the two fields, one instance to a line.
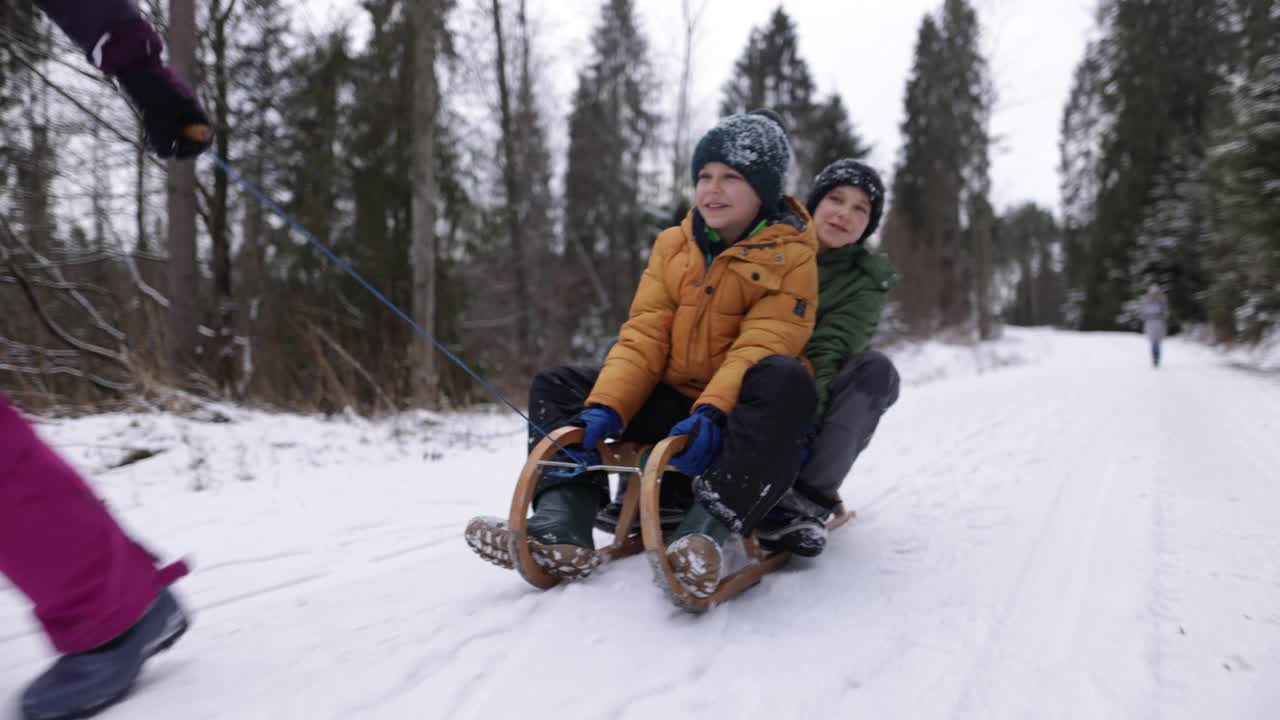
x=844, y=332
x=846, y=326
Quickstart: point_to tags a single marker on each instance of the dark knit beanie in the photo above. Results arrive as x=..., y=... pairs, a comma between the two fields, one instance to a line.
x=754, y=144
x=850, y=172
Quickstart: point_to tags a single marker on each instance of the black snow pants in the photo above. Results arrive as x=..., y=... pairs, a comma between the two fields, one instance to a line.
x=761, y=442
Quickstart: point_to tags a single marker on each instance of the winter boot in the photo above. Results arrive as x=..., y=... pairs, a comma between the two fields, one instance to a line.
x=695, y=552
x=675, y=498
x=559, y=533
x=784, y=531
x=81, y=685
x=796, y=525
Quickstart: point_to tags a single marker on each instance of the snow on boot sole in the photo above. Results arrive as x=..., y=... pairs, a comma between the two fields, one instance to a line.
x=567, y=562
x=696, y=562
x=490, y=538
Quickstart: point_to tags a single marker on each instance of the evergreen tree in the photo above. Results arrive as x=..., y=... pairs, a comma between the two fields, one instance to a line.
x=1168, y=247
x=771, y=73
x=536, y=213
x=969, y=96
x=833, y=135
x=1030, y=239
x=1134, y=133
x=1083, y=124
x=611, y=127
x=941, y=224
x=1244, y=245
x=1259, y=23
x=20, y=43
x=909, y=235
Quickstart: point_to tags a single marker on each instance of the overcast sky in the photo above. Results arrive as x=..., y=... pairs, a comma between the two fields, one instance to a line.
x=860, y=48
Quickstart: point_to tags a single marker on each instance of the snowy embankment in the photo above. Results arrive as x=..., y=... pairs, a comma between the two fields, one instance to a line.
x=1263, y=356
x=1074, y=536
x=931, y=361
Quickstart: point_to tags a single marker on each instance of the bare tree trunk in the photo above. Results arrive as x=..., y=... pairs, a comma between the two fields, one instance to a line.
x=222, y=353
x=140, y=159
x=99, y=193
x=34, y=183
x=1026, y=299
x=981, y=226
x=680, y=176
x=181, y=188
x=515, y=200
x=425, y=20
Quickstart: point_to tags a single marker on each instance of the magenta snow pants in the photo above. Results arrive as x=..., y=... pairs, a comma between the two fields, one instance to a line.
x=60, y=546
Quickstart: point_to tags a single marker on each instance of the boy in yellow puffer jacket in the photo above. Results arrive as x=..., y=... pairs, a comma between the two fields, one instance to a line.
x=710, y=350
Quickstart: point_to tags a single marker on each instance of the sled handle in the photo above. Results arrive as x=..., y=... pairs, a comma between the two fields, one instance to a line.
x=592, y=468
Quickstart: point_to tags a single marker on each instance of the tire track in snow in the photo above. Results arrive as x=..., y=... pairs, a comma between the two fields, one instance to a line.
x=692, y=679
x=1039, y=620
x=263, y=591
x=1217, y=571
x=426, y=665
x=965, y=489
x=419, y=547
x=243, y=562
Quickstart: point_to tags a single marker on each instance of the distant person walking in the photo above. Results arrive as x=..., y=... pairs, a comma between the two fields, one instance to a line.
x=1154, y=311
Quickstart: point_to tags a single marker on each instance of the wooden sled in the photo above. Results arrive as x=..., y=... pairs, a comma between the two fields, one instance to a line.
x=617, y=457
x=761, y=562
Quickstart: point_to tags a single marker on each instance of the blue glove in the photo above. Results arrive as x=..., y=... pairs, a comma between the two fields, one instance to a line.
x=703, y=428
x=598, y=422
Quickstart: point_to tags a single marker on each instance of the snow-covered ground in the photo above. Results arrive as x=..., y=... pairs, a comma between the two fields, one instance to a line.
x=930, y=361
x=1074, y=536
x=1264, y=355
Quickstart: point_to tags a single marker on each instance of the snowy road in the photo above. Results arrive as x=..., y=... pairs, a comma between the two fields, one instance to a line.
x=1081, y=537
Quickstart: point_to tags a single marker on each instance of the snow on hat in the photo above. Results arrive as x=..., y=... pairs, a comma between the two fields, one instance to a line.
x=754, y=144
x=848, y=171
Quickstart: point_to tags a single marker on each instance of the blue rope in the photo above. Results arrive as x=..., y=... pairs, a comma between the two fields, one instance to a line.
x=266, y=201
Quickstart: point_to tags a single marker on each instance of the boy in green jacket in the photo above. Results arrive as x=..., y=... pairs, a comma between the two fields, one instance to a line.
x=855, y=384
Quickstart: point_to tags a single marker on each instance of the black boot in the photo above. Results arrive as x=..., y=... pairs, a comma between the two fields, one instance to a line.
x=674, y=500
x=795, y=525
x=785, y=531
x=563, y=515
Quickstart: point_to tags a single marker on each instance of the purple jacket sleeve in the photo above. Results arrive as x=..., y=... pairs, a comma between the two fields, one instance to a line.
x=86, y=21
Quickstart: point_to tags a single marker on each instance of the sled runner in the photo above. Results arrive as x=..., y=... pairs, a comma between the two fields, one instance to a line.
x=760, y=562
x=617, y=458
x=641, y=502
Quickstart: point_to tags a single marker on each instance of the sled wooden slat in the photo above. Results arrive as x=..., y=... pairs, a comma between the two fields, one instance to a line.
x=522, y=501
